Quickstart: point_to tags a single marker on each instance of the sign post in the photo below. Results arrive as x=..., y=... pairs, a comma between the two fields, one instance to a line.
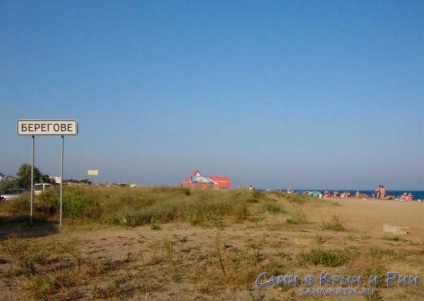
x=61, y=180
x=33, y=127
x=32, y=177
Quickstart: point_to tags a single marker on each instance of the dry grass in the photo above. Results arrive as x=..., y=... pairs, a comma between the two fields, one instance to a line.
x=336, y=224
x=211, y=252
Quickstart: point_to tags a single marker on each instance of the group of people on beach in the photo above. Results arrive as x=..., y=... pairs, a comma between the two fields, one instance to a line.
x=379, y=194
x=406, y=197
x=328, y=194
x=336, y=194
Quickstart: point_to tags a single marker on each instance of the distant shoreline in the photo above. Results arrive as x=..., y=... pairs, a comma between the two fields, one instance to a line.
x=417, y=194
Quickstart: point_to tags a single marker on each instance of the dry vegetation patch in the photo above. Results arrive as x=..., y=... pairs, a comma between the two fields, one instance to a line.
x=196, y=244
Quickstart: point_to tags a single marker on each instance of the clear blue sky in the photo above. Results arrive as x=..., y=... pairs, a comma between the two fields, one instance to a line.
x=307, y=94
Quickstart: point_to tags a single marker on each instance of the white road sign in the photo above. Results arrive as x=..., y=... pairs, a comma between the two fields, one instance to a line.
x=93, y=172
x=47, y=127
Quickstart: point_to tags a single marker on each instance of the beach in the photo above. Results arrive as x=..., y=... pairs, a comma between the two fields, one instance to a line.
x=371, y=214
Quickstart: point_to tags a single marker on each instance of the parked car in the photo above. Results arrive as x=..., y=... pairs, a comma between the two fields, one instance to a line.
x=40, y=187
x=13, y=193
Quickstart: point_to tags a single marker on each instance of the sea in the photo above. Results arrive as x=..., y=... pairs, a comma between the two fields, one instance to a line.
x=417, y=194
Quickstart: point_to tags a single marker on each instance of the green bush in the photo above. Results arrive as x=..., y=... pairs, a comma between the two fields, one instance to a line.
x=80, y=203
x=324, y=258
x=273, y=208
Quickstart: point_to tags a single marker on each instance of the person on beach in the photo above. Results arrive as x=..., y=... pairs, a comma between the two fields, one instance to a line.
x=377, y=192
x=327, y=193
x=382, y=192
x=345, y=194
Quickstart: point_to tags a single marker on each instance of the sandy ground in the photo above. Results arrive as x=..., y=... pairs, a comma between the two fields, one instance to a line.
x=370, y=215
x=184, y=262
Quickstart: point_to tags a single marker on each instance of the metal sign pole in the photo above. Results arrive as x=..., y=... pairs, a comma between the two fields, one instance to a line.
x=32, y=177
x=61, y=180
x=27, y=127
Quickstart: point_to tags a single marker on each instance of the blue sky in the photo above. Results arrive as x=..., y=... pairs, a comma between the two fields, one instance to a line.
x=307, y=94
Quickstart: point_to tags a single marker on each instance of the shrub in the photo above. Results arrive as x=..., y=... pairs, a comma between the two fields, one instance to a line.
x=79, y=203
x=336, y=224
x=376, y=252
x=18, y=206
x=273, y=208
x=297, y=218
x=324, y=258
